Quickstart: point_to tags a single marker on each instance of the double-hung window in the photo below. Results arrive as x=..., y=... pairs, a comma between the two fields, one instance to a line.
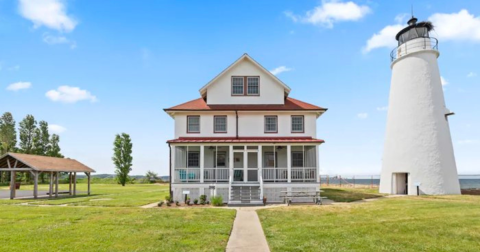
x=253, y=85
x=237, y=86
x=297, y=159
x=271, y=125
x=298, y=124
x=193, y=159
x=193, y=124
x=220, y=124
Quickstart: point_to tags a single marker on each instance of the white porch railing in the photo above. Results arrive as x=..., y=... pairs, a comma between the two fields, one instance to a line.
x=216, y=174
x=304, y=174
x=275, y=175
x=186, y=175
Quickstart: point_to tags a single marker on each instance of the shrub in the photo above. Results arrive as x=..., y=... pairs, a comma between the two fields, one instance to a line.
x=195, y=201
x=160, y=204
x=168, y=203
x=177, y=203
x=203, y=198
x=217, y=200
x=168, y=198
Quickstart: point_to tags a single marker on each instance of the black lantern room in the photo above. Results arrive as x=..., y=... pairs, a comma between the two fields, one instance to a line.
x=414, y=30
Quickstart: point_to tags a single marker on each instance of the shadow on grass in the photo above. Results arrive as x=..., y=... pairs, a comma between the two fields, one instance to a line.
x=347, y=195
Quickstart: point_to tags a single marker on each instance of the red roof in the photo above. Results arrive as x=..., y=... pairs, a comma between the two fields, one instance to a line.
x=246, y=140
x=200, y=105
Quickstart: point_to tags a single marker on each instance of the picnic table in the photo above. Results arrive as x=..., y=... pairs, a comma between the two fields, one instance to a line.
x=315, y=196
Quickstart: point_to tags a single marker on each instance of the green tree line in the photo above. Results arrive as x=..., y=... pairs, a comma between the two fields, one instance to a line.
x=33, y=137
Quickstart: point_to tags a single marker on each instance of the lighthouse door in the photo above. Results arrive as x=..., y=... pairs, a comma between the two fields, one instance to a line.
x=401, y=183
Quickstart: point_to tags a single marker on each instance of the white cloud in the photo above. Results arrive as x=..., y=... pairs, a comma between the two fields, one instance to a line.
x=54, y=40
x=456, y=26
x=19, y=86
x=69, y=94
x=471, y=74
x=56, y=129
x=385, y=108
x=468, y=141
x=443, y=81
x=48, y=13
x=330, y=12
x=362, y=115
x=384, y=38
x=14, y=68
x=280, y=69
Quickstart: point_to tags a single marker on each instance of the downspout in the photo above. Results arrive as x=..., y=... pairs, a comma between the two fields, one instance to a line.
x=236, y=129
x=170, y=170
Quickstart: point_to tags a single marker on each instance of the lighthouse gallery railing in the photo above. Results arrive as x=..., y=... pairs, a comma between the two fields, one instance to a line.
x=414, y=45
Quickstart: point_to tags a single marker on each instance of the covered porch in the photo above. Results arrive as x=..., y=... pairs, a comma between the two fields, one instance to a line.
x=36, y=165
x=247, y=163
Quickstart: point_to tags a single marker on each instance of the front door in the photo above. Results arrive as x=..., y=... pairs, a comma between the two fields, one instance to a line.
x=252, y=167
x=238, y=167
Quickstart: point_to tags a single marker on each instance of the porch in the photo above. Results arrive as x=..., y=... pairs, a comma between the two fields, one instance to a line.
x=245, y=164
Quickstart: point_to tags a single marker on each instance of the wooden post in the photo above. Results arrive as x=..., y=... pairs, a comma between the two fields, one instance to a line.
x=50, y=189
x=35, y=184
x=88, y=178
x=69, y=183
x=56, y=184
x=74, y=184
x=12, y=181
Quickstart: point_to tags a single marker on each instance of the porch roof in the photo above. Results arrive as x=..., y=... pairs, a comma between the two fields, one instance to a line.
x=247, y=140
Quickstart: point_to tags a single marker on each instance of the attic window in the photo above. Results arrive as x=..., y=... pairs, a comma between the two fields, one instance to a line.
x=237, y=86
x=252, y=85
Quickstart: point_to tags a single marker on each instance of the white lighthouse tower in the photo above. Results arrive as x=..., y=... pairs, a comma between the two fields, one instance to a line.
x=418, y=153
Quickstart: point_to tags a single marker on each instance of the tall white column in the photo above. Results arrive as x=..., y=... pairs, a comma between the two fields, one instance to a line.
x=289, y=163
x=245, y=164
x=173, y=164
x=317, y=162
x=260, y=169
x=202, y=162
x=230, y=160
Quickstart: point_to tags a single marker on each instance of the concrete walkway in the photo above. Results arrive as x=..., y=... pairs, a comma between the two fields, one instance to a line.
x=247, y=233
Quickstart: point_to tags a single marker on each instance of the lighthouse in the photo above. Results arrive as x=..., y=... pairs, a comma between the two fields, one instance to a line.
x=418, y=152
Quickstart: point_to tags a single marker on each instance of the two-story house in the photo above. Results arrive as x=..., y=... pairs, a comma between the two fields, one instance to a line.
x=244, y=139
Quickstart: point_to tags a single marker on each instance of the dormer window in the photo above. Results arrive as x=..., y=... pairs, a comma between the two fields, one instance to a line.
x=245, y=85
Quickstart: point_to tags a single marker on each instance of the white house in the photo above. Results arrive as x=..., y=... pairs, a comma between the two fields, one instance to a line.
x=244, y=139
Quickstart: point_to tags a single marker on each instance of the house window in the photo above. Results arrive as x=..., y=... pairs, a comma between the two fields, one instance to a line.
x=220, y=124
x=271, y=124
x=253, y=85
x=297, y=124
x=237, y=86
x=297, y=159
x=193, y=159
x=193, y=124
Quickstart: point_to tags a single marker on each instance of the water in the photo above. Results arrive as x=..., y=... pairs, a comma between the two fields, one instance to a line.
x=465, y=183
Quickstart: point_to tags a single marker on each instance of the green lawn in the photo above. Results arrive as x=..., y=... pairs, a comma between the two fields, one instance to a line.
x=449, y=223
x=101, y=195
x=111, y=220
x=34, y=228
x=349, y=194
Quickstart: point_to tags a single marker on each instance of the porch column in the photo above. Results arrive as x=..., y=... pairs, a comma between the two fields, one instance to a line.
x=202, y=162
x=260, y=169
x=230, y=170
x=75, y=184
x=245, y=164
x=317, y=162
x=289, y=163
x=35, y=184
x=50, y=189
x=56, y=184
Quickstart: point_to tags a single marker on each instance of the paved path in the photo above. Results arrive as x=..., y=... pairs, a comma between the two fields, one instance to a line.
x=247, y=233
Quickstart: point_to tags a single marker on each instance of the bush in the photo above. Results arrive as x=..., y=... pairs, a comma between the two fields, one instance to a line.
x=217, y=200
x=168, y=203
x=195, y=201
x=177, y=203
x=168, y=198
x=203, y=199
x=160, y=204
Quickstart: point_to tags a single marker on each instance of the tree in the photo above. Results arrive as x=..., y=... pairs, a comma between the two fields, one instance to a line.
x=122, y=157
x=8, y=134
x=151, y=176
x=42, y=139
x=27, y=130
x=54, y=149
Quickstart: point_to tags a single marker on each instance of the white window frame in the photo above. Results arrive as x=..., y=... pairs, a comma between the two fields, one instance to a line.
x=258, y=85
x=188, y=124
x=243, y=85
x=265, y=124
x=303, y=124
x=215, y=124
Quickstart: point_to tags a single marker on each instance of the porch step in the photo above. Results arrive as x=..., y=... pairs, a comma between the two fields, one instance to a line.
x=245, y=194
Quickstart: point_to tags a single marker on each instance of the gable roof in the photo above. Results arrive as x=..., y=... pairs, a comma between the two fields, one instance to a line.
x=203, y=90
x=289, y=105
x=42, y=163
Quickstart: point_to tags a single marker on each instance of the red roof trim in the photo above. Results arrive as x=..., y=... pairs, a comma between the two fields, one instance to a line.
x=290, y=104
x=246, y=140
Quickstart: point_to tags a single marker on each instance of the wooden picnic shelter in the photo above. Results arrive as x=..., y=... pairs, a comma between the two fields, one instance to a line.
x=16, y=162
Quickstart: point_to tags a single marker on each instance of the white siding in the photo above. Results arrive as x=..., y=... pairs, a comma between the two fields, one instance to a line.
x=220, y=91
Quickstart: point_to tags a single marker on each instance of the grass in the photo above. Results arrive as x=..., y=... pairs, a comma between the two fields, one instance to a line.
x=447, y=223
x=33, y=228
x=101, y=195
x=111, y=220
x=350, y=194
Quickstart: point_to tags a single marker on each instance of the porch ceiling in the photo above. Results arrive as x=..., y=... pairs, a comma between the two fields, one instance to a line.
x=247, y=140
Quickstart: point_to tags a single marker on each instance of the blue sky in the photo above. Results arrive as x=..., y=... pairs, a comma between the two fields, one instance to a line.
x=96, y=68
